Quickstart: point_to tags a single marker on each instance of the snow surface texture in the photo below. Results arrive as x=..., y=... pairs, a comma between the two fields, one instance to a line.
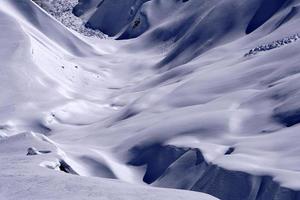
x=173, y=103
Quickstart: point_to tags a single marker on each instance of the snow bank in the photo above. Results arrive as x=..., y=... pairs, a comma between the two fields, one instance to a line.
x=181, y=81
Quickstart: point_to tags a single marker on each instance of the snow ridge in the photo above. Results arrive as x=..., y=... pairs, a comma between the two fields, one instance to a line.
x=173, y=104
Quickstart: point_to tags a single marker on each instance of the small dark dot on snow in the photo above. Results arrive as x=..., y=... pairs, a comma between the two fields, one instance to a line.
x=63, y=67
x=76, y=67
x=229, y=151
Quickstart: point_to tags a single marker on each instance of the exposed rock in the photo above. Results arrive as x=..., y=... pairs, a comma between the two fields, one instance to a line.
x=31, y=151
x=62, y=11
x=274, y=44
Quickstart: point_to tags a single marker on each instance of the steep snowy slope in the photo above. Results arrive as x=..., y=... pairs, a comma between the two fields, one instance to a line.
x=62, y=11
x=173, y=102
x=49, y=75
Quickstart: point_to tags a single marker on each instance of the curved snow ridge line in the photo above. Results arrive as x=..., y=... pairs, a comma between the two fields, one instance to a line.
x=121, y=171
x=91, y=162
x=186, y=168
x=32, y=19
x=62, y=161
x=25, y=179
x=59, y=159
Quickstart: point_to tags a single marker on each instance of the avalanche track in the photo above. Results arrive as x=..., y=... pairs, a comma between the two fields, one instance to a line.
x=167, y=107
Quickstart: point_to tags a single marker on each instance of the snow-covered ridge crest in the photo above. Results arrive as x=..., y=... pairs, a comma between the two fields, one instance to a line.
x=172, y=103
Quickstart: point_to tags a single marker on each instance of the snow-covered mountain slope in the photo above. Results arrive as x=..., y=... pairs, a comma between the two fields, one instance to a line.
x=176, y=102
x=43, y=177
x=62, y=11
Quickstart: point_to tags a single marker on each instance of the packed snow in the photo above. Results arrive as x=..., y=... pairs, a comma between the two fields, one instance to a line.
x=169, y=102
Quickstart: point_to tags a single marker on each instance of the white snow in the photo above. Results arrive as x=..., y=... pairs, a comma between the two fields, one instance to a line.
x=181, y=81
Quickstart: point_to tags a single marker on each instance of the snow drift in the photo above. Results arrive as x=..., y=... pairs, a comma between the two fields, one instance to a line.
x=173, y=102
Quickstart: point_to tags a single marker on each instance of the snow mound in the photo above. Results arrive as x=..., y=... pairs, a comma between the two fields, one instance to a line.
x=25, y=179
x=173, y=102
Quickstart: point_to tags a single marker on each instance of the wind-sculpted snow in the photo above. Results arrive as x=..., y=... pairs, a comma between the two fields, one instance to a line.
x=23, y=178
x=265, y=11
x=106, y=19
x=196, y=26
x=172, y=102
x=194, y=173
